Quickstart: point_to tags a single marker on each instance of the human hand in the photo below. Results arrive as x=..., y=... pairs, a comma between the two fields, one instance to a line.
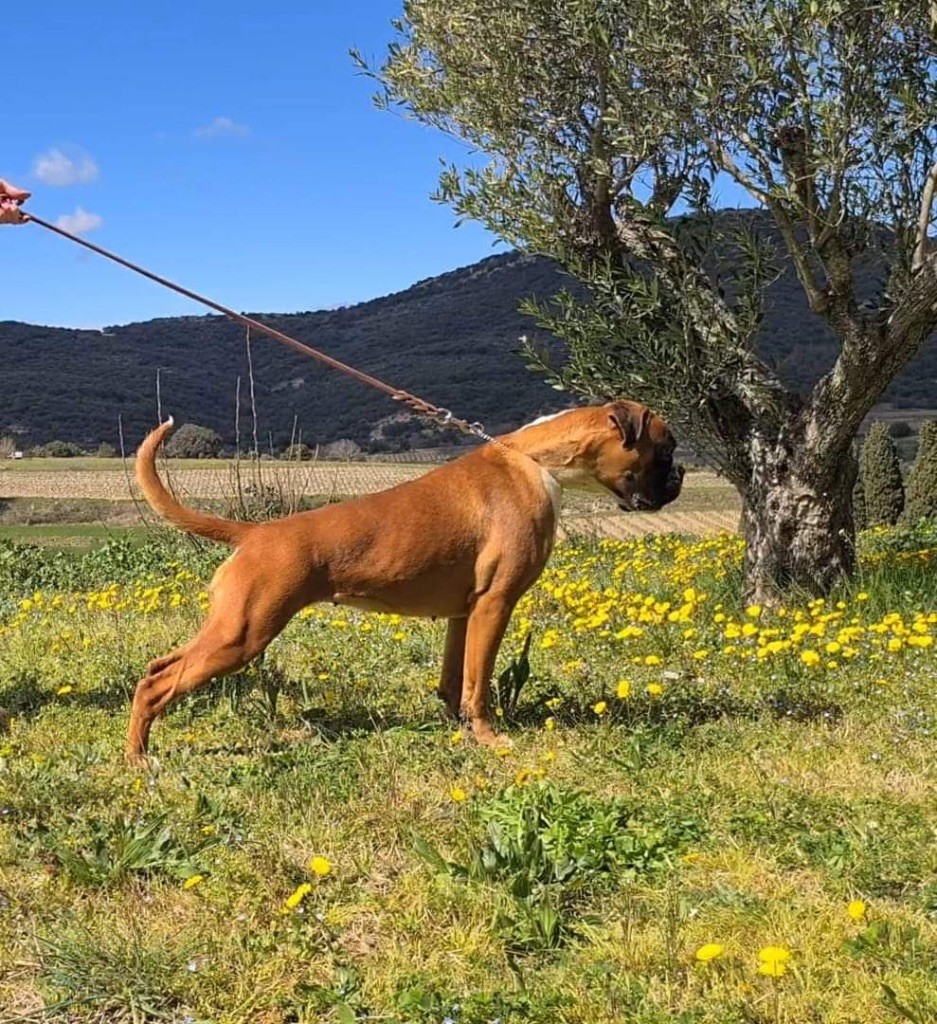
x=11, y=198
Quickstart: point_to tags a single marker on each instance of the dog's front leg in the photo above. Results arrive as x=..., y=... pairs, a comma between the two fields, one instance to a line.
x=486, y=625
x=453, y=663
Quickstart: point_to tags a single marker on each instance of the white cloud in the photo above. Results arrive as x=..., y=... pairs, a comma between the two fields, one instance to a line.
x=59, y=169
x=80, y=222
x=222, y=127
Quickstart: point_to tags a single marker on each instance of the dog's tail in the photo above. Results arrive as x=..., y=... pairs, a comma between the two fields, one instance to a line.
x=161, y=501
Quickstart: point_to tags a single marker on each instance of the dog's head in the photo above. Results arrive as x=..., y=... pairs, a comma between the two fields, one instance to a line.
x=634, y=458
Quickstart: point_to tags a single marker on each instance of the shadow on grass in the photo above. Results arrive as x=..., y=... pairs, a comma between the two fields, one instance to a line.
x=685, y=708
x=22, y=696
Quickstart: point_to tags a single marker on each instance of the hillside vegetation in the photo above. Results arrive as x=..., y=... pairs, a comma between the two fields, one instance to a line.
x=452, y=339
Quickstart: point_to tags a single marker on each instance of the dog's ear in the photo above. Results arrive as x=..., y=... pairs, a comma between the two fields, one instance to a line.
x=630, y=421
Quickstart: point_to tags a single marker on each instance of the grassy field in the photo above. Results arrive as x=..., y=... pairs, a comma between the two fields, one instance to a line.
x=709, y=814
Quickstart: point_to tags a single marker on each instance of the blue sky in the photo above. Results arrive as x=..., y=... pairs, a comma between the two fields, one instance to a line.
x=231, y=146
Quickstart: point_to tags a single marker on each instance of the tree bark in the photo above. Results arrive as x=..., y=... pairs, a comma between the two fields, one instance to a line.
x=797, y=518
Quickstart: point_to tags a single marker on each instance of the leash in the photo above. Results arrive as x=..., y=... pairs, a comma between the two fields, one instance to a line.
x=440, y=416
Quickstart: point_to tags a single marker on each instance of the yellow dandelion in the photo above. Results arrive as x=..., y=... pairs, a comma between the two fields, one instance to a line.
x=623, y=690
x=600, y=707
x=296, y=897
x=753, y=611
x=320, y=866
x=810, y=658
x=550, y=724
x=708, y=952
x=655, y=689
x=651, y=660
x=458, y=794
x=192, y=881
x=456, y=737
x=773, y=960
x=856, y=910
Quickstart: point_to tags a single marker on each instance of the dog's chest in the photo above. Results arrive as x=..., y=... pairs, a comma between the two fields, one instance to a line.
x=555, y=493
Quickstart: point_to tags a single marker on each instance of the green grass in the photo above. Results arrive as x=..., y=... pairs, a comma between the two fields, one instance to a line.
x=741, y=801
x=72, y=536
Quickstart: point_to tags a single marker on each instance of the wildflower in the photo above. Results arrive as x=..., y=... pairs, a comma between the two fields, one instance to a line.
x=709, y=952
x=651, y=660
x=856, y=910
x=63, y=691
x=192, y=881
x=320, y=866
x=862, y=596
x=772, y=961
x=600, y=708
x=458, y=794
x=456, y=737
x=296, y=897
x=753, y=611
x=810, y=658
x=550, y=724
x=655, y=689
x=624, y=689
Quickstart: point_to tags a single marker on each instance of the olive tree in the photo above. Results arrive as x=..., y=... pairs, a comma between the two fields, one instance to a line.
x=597, y=125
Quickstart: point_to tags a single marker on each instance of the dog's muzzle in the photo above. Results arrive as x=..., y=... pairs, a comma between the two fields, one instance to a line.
x=663, y=495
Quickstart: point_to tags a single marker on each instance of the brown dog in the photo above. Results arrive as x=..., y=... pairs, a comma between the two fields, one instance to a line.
x=463, y=542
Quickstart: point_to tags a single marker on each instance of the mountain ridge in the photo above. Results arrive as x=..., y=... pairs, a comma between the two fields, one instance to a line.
x=451, y=339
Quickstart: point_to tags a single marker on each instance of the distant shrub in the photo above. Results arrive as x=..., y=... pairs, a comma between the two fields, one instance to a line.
x=344, y=448
x=298, y=453
x=191, y=441
x=881, y=478
x=921, y=498
x=105, y=451
x=56, y=450
x=900, y=428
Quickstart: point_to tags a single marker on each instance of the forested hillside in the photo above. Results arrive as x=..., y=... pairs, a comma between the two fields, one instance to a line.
x=452, y=339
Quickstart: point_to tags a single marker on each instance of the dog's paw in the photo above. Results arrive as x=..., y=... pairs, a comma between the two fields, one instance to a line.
x=487, y=737
x=141, y=762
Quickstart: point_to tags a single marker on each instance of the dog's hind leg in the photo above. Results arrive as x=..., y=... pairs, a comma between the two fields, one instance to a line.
x=453, y=665
x=486, y=625
x=223, y=645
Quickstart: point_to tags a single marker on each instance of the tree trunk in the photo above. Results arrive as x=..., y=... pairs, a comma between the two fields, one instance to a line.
x=797, y=520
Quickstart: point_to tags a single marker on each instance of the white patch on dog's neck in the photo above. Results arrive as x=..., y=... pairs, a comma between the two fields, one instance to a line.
x=554, y=489
x=544, y=419
x=573, y=476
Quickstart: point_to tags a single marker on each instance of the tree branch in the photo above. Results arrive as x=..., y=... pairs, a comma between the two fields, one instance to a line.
x=872, y=357
x=923, y=224
x=816, y=297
